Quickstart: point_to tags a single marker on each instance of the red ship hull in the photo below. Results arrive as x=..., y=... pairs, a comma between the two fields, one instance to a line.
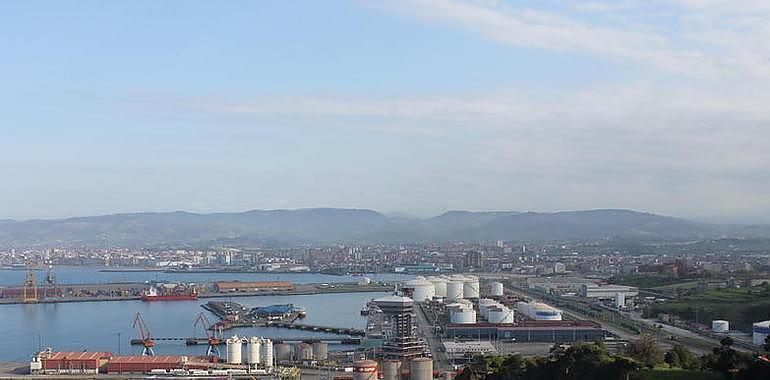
x=180, y=297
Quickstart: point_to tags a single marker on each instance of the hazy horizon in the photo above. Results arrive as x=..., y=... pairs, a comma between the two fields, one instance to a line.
x=413, y=106
x=402, y=214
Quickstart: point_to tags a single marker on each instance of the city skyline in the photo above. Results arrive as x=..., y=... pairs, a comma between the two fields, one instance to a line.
x=414, y=106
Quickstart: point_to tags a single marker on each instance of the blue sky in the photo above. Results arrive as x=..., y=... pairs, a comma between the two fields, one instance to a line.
x=415, y=106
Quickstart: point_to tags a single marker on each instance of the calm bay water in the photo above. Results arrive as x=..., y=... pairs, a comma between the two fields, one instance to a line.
x=95, y=326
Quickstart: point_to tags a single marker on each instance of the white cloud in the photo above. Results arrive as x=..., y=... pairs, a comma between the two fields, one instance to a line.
x=719, y=49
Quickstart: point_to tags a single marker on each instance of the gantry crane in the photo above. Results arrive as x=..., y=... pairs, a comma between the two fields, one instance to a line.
x=144, y=335
x=50, y=277
x=29, y=292
x=213, y=333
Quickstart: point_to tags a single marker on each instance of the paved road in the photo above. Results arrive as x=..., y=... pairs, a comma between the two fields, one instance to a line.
x=440, y=360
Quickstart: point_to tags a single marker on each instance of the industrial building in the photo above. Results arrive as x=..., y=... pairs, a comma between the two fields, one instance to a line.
x=462, y=350
x=401, y=341
x=145, y=364
x=607, y=292
x=72, y=362
x=529, y=331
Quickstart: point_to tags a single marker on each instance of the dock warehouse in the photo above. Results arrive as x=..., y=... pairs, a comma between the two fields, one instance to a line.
x=238, y=286
x=73, y=362
x=530, y=331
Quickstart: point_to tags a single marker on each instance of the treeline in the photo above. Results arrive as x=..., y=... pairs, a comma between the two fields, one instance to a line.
x=641, y=360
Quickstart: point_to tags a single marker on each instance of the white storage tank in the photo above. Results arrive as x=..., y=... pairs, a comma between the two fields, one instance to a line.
x=234, y=346
x=543, y=312
x=267, y=354
x=760, y=331
x=454, y=291
x=538, y=311
x=253, y=348
x=464, y=316
x=496, y=289
x=422, y=289
x=421, y=369
x=365, y=370
x=620, y=299
x=439, y=286
x=500, y=314
x=391, y=370
x=304, y=351
x=484, y=303
x=720, y=326
x=282, y=352
x=320, y=351
x=471, y=287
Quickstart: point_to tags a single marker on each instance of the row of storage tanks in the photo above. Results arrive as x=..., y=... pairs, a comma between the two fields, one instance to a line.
x=302, y=351
x=462, y=312
x=419, y=369
x=452, y=288
x=258, y=351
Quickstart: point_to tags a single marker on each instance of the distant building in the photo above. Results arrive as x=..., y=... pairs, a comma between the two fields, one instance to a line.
x=559, y=268
x=474, y=259
x=607, y=291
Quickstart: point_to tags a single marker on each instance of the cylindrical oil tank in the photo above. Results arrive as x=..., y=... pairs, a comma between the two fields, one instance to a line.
x=439, y=286
x=365, y=370
x=500, y=314
x=267, y=354
x=422, y=289
x=320, y=351
x=253, y=348
x=471, y=287
x=464, y=316
x=282, y=351
x=543, y=312
x=391, y=370
x=421, y=369
x=496, y=289
x=483, y=304
x=454, y=291
x=234, y=346
x=720, y=326
x=304, y=351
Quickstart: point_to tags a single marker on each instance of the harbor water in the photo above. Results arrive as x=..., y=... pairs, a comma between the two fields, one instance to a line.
x=106, y=326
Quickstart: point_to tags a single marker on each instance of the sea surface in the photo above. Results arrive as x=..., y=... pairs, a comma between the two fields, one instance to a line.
x=100, y=326
x=106, y=326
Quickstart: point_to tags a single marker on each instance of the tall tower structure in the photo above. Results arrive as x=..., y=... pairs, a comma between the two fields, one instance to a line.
x=401, y=340
x=29, y=291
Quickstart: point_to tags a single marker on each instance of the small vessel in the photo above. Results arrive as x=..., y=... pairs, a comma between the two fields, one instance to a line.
x=176, y=294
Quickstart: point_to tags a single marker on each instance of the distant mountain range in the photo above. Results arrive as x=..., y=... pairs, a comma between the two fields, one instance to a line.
x=331, y=225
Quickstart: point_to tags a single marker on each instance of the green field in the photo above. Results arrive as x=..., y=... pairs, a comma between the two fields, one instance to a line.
x=741, y=307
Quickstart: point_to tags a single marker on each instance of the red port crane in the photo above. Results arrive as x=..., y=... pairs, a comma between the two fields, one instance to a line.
x=211, y=333
x=144, y=335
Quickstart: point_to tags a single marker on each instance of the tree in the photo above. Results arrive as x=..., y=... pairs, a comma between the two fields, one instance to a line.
x=681, y=357
x=646, y=350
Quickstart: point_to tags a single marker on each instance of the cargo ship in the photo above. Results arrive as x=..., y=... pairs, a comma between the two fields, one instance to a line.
x=176, y=294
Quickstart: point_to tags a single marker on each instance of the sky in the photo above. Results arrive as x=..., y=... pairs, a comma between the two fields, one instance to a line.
x=413, y=106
